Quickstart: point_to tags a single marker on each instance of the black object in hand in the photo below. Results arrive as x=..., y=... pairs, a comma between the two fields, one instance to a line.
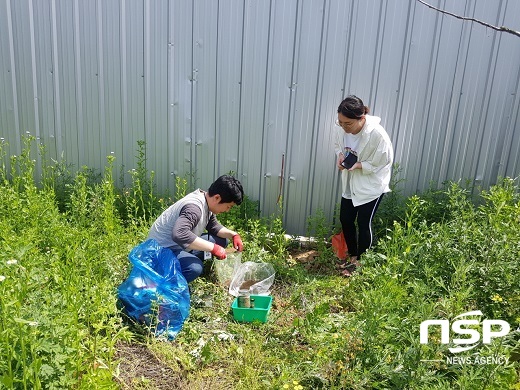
x=349, y=161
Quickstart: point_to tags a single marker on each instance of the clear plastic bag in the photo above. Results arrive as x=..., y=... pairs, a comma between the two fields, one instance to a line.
x=156, y=281
x=225, y=269
x=257, y=277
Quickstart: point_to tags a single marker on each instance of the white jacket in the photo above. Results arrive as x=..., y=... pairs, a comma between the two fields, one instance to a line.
x=375, y=152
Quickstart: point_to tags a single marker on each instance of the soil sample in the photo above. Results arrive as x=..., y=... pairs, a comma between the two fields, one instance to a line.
x=247, y=284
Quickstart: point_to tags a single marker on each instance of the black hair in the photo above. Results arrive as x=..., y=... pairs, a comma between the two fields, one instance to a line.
x=229, y=189
x=353, y=107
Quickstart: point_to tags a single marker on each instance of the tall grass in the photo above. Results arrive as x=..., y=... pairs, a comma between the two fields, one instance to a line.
x=65, y=238
x=434, y=270
x=58, y=320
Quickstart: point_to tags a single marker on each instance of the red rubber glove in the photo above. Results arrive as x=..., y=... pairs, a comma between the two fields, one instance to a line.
x=218, y=252
x=237, y=243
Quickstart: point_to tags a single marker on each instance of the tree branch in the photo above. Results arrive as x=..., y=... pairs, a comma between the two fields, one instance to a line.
x=503, y=29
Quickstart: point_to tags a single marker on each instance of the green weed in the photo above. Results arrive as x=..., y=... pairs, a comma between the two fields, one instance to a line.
x=321, y=231
x=65, y=238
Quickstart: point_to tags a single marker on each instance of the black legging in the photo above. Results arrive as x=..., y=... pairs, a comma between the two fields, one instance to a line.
x=357, y=244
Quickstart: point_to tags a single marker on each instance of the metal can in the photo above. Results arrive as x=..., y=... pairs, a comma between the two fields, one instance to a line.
x=243, y=299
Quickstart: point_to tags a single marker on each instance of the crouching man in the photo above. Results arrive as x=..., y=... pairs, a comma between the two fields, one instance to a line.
x=181, y=226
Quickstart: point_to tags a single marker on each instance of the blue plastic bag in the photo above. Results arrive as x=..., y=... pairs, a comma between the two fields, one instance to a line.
x=156, y=281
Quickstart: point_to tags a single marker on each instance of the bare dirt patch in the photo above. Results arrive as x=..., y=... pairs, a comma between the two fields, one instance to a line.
x=139, y=368
x=305, y=256
x=310, y=259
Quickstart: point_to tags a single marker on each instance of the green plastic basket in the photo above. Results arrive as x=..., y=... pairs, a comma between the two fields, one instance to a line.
x=259, y=313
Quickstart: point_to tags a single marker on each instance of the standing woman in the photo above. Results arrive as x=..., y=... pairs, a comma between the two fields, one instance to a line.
x=364, y=156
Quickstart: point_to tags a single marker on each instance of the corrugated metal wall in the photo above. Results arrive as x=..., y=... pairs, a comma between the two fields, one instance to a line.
x=214, y=86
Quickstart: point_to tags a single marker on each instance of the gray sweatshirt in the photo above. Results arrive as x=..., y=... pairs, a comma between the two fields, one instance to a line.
x=184, y=221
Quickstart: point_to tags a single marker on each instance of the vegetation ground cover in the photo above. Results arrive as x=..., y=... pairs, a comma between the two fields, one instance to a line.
x=65, y=237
